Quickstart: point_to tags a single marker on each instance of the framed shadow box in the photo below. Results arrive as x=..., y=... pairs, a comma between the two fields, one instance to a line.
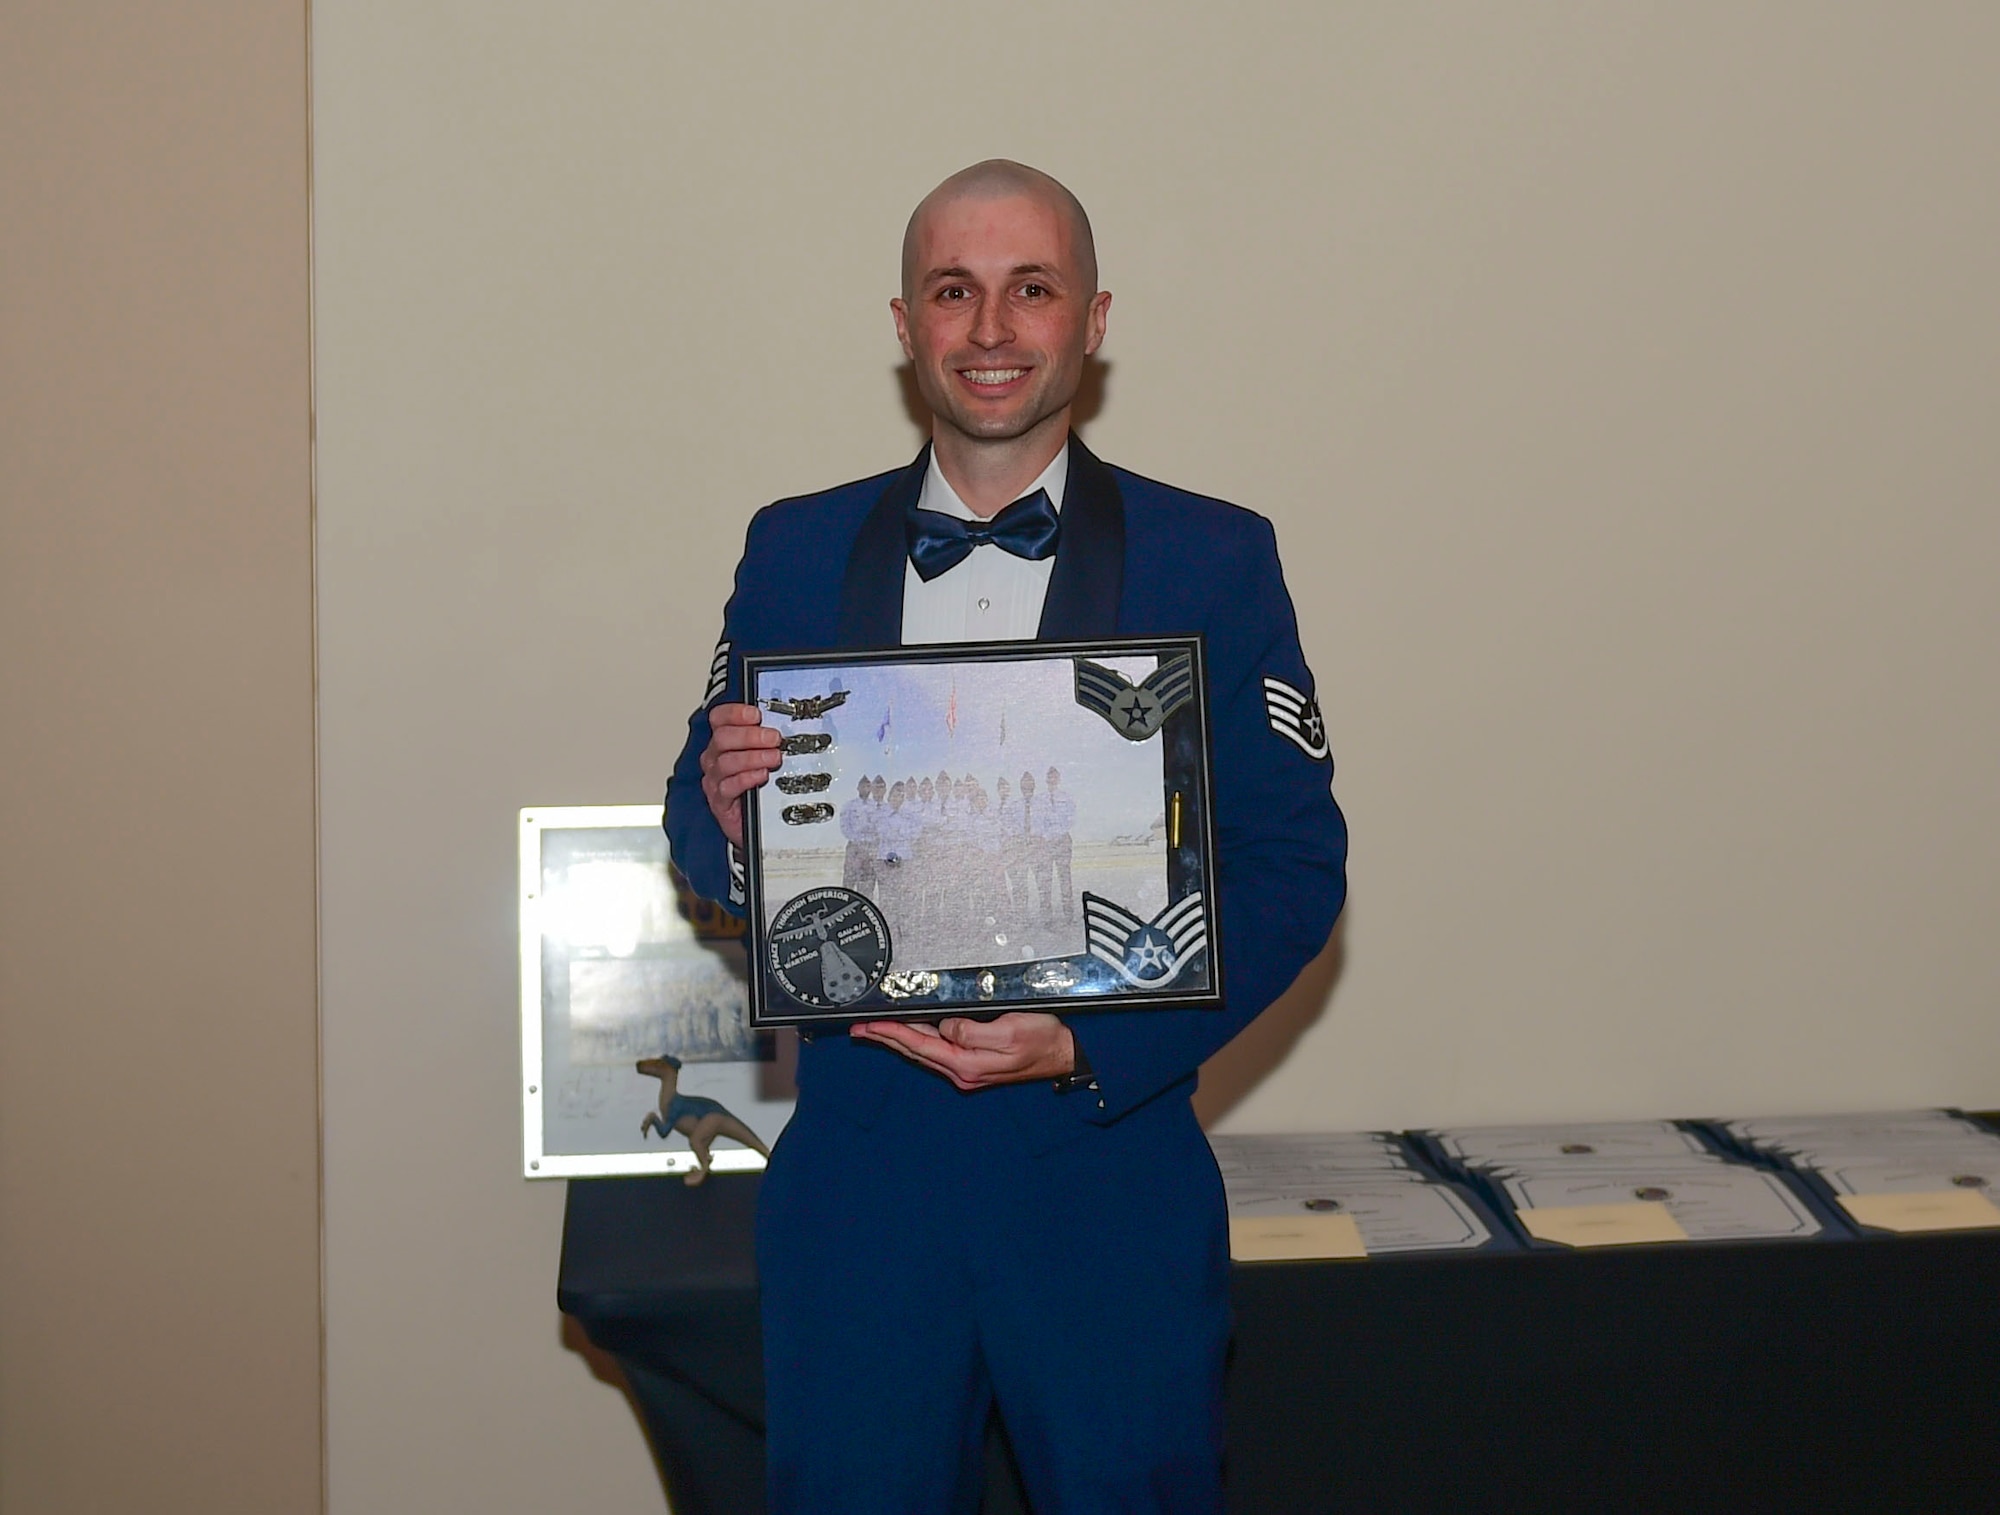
x=968, y=829
x=637, y=1053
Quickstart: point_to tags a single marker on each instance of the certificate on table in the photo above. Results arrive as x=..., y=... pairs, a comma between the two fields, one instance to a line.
x=1710, y=1202
x=1389, y=1216
x=1271, y=1182
x=1480, y=1146
x=1979, y=1174
x=1815, y=1141
x=1307, y=1157
x=1870, y=1124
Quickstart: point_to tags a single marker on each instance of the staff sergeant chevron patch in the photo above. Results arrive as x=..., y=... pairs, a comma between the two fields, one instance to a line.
x=1135, y=711
x=1146, y=954
x=718, y=672
x=1295, y=717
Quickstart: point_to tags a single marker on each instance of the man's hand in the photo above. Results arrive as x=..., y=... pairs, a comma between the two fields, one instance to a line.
x=1015, y=1048
x=741, y=753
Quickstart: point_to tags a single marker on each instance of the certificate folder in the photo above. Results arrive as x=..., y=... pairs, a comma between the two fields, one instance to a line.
x=1299, y=1196
x=1631, y=1182
x=1885, y=1173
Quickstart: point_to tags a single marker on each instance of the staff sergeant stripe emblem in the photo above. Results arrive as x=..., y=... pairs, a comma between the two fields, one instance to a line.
x=1146, y=954
x=1295, y=717
x=718, y=672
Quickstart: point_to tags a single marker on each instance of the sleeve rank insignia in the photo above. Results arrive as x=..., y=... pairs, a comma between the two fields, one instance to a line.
x=1146, y=954
x=718, y=672
x=1295, y=717
x=1135, y=711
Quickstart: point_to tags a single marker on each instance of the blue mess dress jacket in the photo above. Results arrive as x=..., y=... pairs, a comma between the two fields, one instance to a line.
x=1136, y=558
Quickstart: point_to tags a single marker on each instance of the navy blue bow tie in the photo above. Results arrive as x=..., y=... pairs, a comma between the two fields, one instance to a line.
x=938, y=543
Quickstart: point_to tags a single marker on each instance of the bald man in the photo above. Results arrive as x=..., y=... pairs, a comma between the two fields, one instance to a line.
x=1019, y=1211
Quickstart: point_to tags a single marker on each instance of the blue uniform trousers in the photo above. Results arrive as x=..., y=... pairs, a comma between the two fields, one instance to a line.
x=919, y=1269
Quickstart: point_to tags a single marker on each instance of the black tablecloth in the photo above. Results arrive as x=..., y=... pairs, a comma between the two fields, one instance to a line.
x=1845, y=1375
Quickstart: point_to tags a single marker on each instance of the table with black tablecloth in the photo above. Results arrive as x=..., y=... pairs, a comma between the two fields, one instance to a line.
x=1839, y=1375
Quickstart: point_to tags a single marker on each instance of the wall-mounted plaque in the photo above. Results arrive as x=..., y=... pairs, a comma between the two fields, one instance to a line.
x=972, y=829
x=637, y=1053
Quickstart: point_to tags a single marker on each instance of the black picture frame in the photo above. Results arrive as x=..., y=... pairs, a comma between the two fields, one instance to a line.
x=948, y=909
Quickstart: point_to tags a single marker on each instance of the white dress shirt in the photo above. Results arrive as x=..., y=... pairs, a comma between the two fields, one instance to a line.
x=992, y=596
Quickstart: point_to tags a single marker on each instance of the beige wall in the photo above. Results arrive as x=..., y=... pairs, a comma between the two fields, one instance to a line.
x=1619, y=378
x=159, y=1252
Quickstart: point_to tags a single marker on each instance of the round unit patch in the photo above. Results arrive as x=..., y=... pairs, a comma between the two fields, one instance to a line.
x=827, y=947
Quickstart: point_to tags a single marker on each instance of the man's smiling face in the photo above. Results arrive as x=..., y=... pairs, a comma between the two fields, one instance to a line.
x=998, y=315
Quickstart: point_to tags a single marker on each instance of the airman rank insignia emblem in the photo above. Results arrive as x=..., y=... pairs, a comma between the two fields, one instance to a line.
x=1146, y=954
x=1295, y=716
x=1135, y=711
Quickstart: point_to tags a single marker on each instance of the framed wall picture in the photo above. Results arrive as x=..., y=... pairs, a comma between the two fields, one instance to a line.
x=972, y=829
x=637, y=1053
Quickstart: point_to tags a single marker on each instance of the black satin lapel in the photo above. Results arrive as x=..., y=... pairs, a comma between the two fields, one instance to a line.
x=1082, y=602
x=871, y=595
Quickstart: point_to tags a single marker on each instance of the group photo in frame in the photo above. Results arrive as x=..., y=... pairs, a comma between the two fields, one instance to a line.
x=637, y=1052
x=979, y=828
